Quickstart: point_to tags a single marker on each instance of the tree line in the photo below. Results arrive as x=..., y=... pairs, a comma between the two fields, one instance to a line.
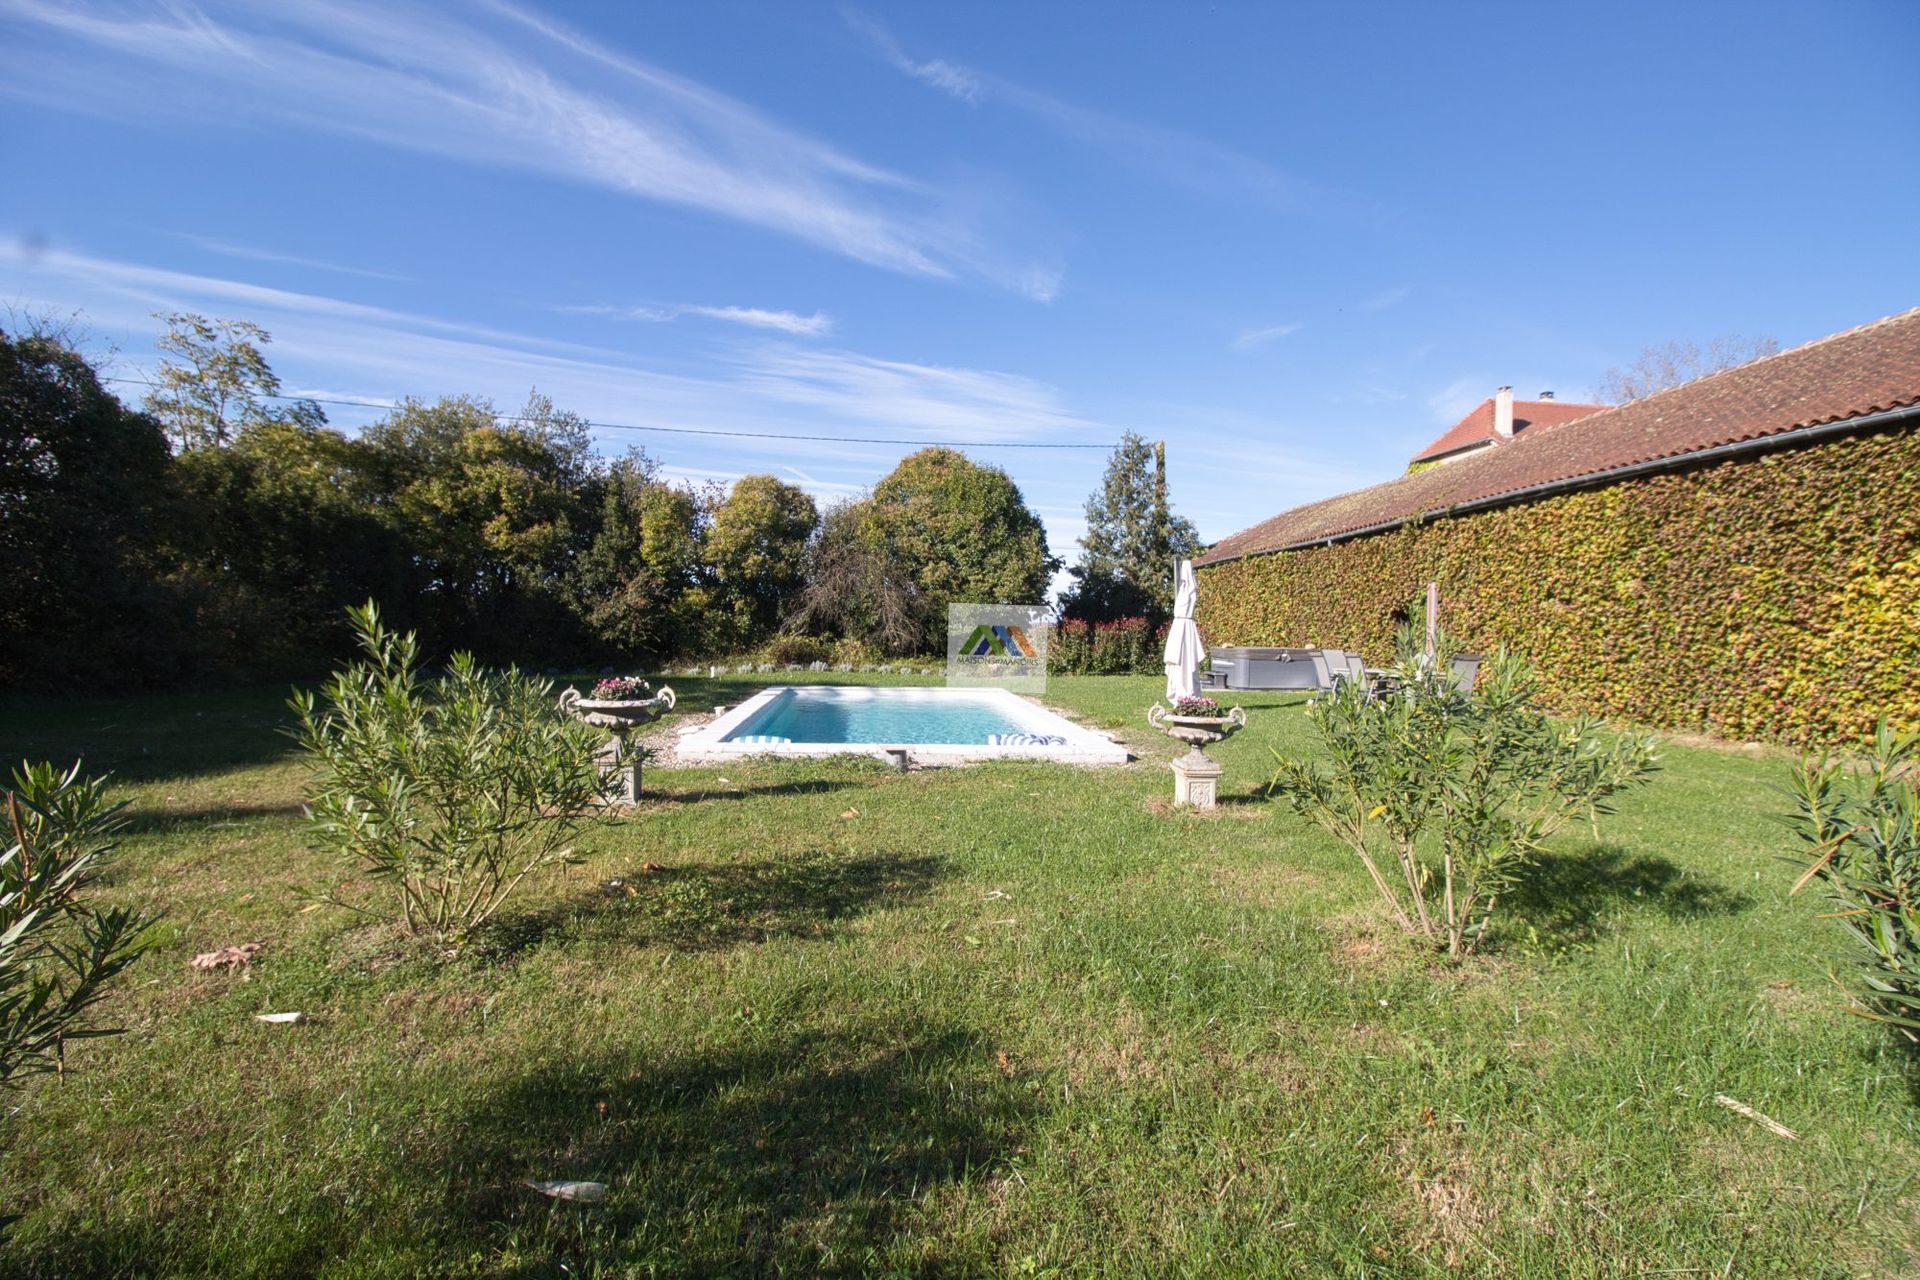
x=216, y=531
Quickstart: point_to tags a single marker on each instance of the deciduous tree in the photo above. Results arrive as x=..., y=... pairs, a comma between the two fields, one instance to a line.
x=756, y=549
x=640, y=585
x=859, y=587
x=216, y=382
x=1672, y=363
x=84, y=485
x=964, y=530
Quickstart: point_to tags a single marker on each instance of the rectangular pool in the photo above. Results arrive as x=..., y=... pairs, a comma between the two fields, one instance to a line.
x=931, y=725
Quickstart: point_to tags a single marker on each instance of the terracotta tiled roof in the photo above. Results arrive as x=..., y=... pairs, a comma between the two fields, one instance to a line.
x=1477, y=427
x=1867, y=370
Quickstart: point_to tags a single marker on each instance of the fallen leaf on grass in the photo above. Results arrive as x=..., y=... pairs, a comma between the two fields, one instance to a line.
x=651, y=867
x=311, y=906
x=851, y=813
x=282, y=1018
x=584, y=1192
x=228, y=957
x=1005, y=1063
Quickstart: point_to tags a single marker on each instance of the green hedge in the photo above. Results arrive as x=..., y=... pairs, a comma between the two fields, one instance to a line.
x=1776, y=597
x=1120, y=647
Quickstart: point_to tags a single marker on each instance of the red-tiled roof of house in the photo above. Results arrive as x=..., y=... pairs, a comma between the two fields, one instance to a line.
x=1477, y=427
x=1872, y=369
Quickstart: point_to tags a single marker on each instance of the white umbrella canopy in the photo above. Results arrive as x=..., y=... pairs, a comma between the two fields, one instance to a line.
x=1182, y=655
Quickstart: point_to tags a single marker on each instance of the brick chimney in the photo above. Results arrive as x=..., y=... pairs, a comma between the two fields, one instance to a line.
x=1503, y=413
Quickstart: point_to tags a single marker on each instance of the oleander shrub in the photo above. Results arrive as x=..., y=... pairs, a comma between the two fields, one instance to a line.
x=59, y=949
x=1445, y=794
x=1121, y=647
x=1859, y=820
x=1775, y=597
x=445, y=793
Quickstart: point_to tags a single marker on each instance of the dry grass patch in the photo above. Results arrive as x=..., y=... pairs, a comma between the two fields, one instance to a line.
x=1447, y=1207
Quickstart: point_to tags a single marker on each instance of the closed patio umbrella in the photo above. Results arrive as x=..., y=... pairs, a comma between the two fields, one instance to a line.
x=1182, y=656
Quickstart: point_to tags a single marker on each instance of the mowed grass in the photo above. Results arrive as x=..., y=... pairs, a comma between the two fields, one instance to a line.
x=1011, y=1019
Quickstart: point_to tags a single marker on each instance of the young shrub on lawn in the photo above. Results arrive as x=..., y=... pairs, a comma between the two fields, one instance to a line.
x=449, y=791
x=58, y=952
x=1862, y=830
x=1444, y=794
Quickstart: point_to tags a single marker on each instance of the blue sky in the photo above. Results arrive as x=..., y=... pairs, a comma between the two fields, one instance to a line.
x=1293, y=241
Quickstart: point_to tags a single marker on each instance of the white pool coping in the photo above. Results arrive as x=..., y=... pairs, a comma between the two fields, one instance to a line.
x=707, y=745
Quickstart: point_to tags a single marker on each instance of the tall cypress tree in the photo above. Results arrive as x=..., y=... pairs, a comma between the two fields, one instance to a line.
x=1133, y=539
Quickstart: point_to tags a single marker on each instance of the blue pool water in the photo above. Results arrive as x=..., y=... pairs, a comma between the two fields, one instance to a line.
x=905, y=716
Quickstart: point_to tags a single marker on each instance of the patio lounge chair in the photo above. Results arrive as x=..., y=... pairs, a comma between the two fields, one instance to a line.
x=1342, y=665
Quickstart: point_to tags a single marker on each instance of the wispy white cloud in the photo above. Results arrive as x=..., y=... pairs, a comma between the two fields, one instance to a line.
x=496, y=86
x=849, y=386
x=1387, y=298
x=1259, y=337
x=1172, y=155
x=647, y=315
x=229, y=249
x=1451, y=402
x=816, y=325
x=954, y=81
x=761, y=385
x=1365, y=393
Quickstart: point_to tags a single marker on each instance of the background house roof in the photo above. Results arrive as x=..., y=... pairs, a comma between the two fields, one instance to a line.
x=1871, y=369
x=1477, y=427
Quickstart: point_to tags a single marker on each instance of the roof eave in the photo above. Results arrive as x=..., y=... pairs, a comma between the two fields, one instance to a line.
x=1757, y=444
x=1457, y=450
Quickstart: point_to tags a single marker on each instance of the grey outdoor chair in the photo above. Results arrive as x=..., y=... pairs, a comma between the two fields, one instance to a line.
x=1342, y=665
x=1466, y=669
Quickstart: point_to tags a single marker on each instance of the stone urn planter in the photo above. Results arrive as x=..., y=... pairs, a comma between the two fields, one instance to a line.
x=1196, y=776
x=620, y=716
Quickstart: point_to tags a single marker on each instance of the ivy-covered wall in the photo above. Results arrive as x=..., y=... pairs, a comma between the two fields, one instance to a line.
x=1775, y=597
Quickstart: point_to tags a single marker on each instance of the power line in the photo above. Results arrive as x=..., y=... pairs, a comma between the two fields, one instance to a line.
x=696, y=431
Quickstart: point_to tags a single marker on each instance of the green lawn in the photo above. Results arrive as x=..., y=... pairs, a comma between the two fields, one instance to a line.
x=1007, y=1019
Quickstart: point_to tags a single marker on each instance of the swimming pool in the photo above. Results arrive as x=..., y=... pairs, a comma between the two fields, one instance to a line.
x=930, y=725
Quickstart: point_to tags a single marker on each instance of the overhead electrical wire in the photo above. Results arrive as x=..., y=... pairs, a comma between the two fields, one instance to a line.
x=698, y=431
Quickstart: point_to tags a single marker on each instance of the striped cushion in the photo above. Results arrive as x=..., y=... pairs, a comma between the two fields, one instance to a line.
x=1025, y=740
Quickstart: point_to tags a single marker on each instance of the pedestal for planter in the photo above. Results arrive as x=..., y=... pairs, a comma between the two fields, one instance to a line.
x=1196, y=776
x=1196, y=780
x=617, y=759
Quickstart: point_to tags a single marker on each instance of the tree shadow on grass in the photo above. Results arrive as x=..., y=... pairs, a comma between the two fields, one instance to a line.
x=143, y=820
x=709, y=905
x=1563, y=897
x=152, y=738
x=694, y=795
x=792, y=1152
x=804, y=1154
